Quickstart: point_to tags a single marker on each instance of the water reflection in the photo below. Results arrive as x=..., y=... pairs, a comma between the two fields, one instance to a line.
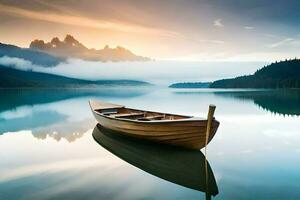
x=27, y=122
x=13, y=98
x=65, y=130
x=184, y=167
x=48, y=112
x=286, y=102
x=54, y=156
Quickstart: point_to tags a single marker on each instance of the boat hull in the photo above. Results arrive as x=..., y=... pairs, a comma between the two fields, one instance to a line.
x=185, y=133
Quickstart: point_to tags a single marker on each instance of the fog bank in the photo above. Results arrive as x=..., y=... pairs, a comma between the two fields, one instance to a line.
x=159, y=72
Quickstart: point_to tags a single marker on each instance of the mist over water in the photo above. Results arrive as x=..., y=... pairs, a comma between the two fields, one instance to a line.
x=157, y=72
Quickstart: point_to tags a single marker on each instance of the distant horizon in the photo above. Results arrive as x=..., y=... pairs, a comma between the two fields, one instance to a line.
x=173, y=59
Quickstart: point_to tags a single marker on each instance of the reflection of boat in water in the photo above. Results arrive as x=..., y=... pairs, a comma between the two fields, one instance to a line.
x=184, y=167
x=179, y=130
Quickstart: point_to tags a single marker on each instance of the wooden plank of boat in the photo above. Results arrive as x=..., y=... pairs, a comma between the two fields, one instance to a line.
x=124, y=115
x=188, y=168
x=179, y=130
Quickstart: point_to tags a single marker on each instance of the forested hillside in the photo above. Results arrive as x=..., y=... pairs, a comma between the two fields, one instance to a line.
x=283, y=74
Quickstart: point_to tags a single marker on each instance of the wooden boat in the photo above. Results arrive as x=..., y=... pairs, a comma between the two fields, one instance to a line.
x=185, y=167
x=179, y=130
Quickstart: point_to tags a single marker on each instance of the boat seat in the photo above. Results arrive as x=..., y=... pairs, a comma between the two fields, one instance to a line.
x=152, y=117
x=124, y=115
x=108, y=111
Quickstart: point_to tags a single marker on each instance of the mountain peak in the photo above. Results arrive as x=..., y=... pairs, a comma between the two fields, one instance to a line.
x=69, y=39
x=55, y=41
x=71, y=47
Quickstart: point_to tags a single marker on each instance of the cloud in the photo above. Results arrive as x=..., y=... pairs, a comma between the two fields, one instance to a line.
x=212, y=41
x=218, y=23
x=202, y=57
x=281, y=42
x=248, y=27
x=270, y=35
x=86, y=22
x=17, y=63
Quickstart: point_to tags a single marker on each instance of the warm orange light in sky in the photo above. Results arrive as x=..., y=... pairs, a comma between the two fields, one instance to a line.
x=86, y=22
x=177, y=30
x=106, y=26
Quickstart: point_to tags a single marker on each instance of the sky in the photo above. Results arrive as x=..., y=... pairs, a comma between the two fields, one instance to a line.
x=189, y=30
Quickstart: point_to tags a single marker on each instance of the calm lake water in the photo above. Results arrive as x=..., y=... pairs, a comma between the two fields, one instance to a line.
x=47, y=150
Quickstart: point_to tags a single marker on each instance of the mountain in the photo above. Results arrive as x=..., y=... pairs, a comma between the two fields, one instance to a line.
x=70, y=47
x=13, y=78
x=283, y=74
x=36, y=57
x=191, y=85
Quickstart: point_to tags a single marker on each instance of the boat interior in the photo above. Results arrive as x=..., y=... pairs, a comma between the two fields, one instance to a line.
x=139, y=115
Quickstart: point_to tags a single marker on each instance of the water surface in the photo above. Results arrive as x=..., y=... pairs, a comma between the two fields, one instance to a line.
x=47, y=150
